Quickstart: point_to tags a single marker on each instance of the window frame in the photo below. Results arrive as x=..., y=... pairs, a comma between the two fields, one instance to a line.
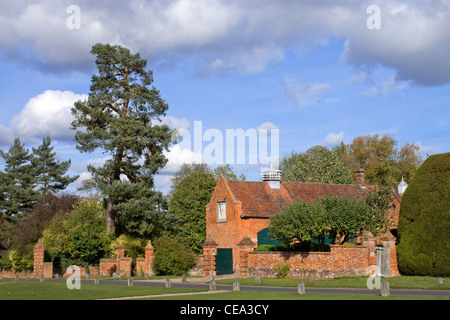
x=219, y=204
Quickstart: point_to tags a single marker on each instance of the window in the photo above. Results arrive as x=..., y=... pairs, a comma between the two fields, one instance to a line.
x=222, y=211
x=393, y=208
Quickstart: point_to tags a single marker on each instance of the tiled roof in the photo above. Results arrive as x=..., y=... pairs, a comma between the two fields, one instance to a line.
x=259, y=200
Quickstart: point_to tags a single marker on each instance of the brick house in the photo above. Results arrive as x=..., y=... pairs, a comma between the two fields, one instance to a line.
x=241, y=209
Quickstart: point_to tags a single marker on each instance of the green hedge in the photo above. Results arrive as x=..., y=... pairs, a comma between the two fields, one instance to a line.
x=424, y=220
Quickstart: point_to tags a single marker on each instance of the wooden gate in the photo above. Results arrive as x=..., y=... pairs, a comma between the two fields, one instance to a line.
x=224, y=261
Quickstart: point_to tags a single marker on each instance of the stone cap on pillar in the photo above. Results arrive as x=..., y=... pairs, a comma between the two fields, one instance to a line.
x=388, y=237
x=367, y=235
x=149, y=246
x=246, y=242
x=39, y=245
x=209, y=242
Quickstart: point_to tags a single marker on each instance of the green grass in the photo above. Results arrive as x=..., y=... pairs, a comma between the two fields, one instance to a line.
x=256, y=295
x=402, y=282
x=59, y=291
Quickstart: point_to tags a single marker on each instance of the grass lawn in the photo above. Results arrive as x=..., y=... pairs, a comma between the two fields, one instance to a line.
x=401, y=282
x=256, y=295
x=59, y=291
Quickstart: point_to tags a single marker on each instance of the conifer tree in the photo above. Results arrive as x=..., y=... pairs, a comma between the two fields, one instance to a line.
x=17, y=182
x=120, y=117
x=49, y=173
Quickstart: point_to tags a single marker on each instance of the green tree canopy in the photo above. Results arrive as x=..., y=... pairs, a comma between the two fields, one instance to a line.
x=121, y=117
x=78, y=236
x=49, y=173
x=424, y=220
x=17, y=182
x=384, y=163
x=188, y=202
x=318, y=164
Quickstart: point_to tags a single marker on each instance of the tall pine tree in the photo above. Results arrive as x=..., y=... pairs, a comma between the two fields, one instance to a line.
x=17, y=182
x=49, y=173
x=120, y=117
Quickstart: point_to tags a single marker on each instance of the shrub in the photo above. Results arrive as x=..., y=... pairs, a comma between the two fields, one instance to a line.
x=424, y=220
x=282, y=270
x=172, y=257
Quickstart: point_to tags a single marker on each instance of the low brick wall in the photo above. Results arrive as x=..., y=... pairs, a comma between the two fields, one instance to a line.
x=340, y=261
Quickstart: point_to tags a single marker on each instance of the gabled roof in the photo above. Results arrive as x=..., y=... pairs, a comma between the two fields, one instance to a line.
x=260, y=201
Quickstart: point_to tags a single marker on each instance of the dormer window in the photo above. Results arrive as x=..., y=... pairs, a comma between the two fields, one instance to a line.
x=222, y=211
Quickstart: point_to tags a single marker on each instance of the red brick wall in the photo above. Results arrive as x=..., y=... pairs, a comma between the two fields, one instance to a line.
x=340, y=261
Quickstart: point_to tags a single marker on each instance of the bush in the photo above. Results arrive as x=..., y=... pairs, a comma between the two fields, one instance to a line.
x=282, y=270
x=424, y=220
x=79, y=236
x=172, y=257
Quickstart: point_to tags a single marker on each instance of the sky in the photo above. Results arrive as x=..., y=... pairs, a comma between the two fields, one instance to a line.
x=315, y=72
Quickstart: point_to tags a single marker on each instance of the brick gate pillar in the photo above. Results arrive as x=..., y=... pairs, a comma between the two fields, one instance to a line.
x=120, y=251
x=389, y=242
x=245, y=246
x=38, y=269
x=149, y=255
x=368, y=239
x=209, y=257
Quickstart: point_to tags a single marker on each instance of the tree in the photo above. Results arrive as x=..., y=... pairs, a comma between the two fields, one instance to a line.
x=424, y=220
x=188, y=202
x=120, y=117
x=185, y=170
x=78, y=236
x=318, y=164
x=49, y=173
x=383, y=162
x=299, y=222
x=17, y=182
x=227, y=171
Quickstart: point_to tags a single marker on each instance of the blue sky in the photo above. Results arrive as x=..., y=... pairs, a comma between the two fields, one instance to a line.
x=312, y=69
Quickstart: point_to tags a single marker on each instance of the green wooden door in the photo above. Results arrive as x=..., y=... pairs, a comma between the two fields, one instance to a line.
x=224, y=261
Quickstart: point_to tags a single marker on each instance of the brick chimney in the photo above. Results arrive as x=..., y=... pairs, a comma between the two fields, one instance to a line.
x=360, y=179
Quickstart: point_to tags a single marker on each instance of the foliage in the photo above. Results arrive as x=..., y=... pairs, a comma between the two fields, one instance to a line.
x=14, y=260
x=29, y=229
x=172, y=257
x=49, y=173
x=346, y=216
x=424, y=220
x=121, y=117
x=78, y=236
x=188, y=203
x=227, y=171
x=29, y=175
x=282, y=270
x=17, y=182
x=134, y=247
x=336, y=217
x=185, y=170
x=318, y=164
x=300, y=221
x=384, y=163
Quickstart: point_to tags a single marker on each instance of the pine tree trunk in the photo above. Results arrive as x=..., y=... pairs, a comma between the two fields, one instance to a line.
x=110, y=217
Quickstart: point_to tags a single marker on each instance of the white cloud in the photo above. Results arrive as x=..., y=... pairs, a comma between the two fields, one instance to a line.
x=47, y=114
x=333, y=139
x=232, y=36
x=306, y=94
